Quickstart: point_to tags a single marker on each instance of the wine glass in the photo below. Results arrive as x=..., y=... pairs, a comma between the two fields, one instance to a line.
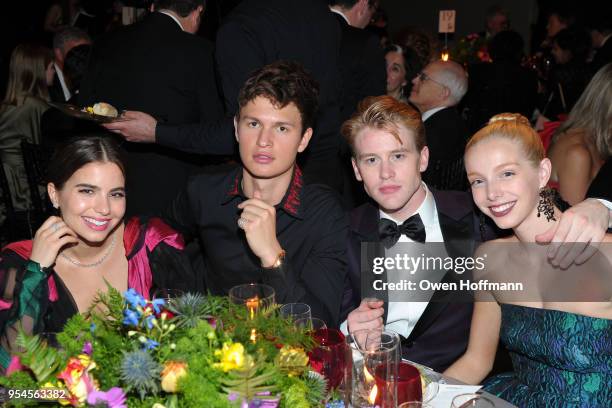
x=295, y=311
x=168, y=295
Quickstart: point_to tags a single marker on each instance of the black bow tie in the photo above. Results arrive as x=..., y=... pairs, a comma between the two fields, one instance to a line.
x=390, y=232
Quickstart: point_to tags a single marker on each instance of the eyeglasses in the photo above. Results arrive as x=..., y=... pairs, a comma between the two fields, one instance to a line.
x=424, y=77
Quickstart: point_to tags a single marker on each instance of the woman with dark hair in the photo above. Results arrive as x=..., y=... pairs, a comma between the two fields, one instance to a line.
x=30, y=73
x=403, y=64
x=75, y=255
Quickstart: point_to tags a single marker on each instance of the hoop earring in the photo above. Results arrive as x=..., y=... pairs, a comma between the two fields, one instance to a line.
x=545, y=205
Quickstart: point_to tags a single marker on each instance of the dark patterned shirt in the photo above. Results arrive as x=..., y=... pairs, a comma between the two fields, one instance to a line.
x=310, y=226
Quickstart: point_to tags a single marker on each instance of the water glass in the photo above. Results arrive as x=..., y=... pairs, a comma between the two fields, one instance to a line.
x=295, y=311
x=372, y=358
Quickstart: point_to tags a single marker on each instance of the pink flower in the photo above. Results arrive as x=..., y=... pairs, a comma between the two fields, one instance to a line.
x=14, y=366
x=114, y=398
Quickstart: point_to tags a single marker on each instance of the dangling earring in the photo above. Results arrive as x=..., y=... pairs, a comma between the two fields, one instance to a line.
x=545, y=206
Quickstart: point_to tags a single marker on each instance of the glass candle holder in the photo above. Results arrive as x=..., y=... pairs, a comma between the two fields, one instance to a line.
x=371, y=368
x=254, y=296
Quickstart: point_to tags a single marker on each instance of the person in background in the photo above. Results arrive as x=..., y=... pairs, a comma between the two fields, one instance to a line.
x=55, y=125
x=496, y=21
x=30, y=74
x=570, y=74
x=436, y=91
x=501, y=86
x=63, y=41
x=583, y=142
x=403, y=64
x=160, y=66
x=600, y=25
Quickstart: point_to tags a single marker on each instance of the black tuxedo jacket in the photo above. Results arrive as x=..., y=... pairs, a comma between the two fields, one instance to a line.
x=446, y=134
x=441, y=334
x=362, y=66
x=154, y=67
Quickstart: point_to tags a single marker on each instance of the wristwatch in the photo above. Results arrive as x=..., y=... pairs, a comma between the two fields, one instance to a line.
x=279, y=261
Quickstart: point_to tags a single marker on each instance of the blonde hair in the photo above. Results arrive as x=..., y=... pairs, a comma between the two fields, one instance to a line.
x=515, y=127
x=387, y=113
x=593, y=112
x=27, y=74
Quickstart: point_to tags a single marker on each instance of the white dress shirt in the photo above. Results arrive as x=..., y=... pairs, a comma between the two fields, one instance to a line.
x=62, y=81
x=427, y=114
x=169, y=14
x=403, y=316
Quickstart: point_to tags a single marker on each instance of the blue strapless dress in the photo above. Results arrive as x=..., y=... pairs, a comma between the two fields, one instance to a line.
x=560, y=359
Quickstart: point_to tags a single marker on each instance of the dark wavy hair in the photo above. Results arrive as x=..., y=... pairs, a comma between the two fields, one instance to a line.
x=78, y=152
x=284, y=82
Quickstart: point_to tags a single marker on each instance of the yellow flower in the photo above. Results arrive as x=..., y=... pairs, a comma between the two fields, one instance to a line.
x=294, y=359
x=173, y=370
x=233, y=357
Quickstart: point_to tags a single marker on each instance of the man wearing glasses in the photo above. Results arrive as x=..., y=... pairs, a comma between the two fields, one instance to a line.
x=436, y=91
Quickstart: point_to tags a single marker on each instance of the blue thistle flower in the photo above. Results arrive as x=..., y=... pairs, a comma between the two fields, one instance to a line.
x=140, y=372
x=130, y=317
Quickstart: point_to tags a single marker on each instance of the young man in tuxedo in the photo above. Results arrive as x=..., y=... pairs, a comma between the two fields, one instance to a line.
x=259, y=222
x=389, y=151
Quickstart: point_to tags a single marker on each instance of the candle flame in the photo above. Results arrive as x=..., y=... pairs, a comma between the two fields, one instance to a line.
x=373, y=394
x=368, y=377
x=253, y=336
x=252, y=304
x=444, y=56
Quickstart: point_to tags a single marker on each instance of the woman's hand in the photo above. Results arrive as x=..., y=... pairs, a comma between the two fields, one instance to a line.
x=49, y=239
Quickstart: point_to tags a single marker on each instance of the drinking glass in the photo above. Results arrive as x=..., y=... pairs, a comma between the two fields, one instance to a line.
x=254, y=296
x=471, y=400
x=408, y=383
x=372, y=358
x=310, y=324
x=327, y=358
x=295, y=311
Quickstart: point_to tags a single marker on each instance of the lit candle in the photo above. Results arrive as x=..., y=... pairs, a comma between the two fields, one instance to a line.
x=373, y=395
x=444, y=55
x=252, y=304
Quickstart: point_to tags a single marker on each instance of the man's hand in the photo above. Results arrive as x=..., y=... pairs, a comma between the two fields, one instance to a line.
x=139, y=127
x=578, y=234
x=258, y=220
x=368, y=316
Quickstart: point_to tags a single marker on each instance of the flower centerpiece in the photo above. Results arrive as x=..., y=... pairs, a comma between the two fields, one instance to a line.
x=197, y=352
x=471, y=49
